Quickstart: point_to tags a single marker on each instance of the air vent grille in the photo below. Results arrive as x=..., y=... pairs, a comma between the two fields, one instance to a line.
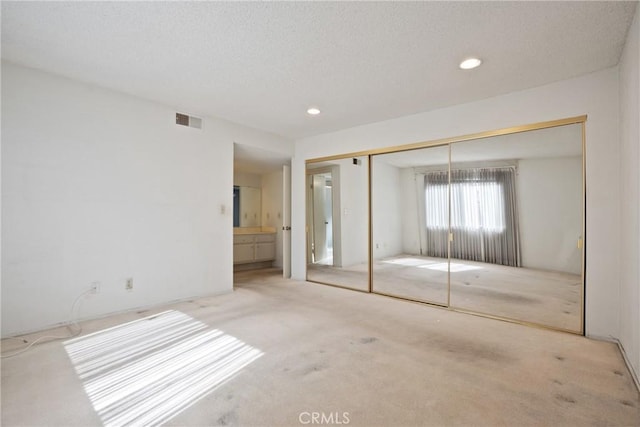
x=190, y=121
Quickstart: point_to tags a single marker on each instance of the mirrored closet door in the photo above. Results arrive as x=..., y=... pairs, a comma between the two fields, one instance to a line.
x=410, y=225
x=337, y=222
x=516, y=224
x=491, y=224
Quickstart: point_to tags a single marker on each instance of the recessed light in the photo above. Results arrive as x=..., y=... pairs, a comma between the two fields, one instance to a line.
x=470, y=63
x=313, y=111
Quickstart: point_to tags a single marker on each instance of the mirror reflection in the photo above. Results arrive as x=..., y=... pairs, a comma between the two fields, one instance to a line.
x=247, y=203
x=337, y=222
x=411, y=225
x=491, y=226
x=516, y=220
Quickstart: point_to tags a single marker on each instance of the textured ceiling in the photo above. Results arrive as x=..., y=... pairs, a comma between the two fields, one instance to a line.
x=263, y=64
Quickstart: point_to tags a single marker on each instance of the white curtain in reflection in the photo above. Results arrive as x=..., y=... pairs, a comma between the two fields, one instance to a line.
x=484, y=218
x=437, y=213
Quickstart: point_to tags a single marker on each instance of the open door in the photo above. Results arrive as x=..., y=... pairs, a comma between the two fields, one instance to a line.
x=286, y=221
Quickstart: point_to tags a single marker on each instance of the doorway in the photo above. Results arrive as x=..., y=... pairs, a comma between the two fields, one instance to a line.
x=261, y=210
x=321, y=185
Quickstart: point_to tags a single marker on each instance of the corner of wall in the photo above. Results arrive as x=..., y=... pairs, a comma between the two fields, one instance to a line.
x=629, y=140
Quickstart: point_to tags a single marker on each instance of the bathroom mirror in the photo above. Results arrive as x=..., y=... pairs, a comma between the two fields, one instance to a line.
x=247, y=206
x=337, y=222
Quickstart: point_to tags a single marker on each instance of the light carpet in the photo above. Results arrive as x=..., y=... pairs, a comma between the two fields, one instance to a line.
x=314, y=353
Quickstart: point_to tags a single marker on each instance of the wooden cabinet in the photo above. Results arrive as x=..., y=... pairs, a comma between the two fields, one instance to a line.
x=248, y=248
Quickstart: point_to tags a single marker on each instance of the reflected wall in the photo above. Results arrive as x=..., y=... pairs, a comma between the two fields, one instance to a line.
x=410, y=260
x=517, y=203
x=337, y=222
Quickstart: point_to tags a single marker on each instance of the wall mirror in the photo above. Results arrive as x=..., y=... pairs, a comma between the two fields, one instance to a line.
x=247, y=206
x=337, y=222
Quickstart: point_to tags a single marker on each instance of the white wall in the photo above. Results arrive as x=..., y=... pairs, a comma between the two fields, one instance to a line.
x=595, y=95
x=549, y=195
x=244, y=179
x=101, y=186
x=354, y=211
x=387, y=208
x=413, y=233
x=629, y=301
x=272, y=199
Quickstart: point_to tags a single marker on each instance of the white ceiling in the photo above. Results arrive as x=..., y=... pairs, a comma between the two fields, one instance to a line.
x=250, y=159
x=262, y=64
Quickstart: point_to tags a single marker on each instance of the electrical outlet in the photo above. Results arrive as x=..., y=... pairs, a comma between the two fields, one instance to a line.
x=95, y=287
x=129, y=285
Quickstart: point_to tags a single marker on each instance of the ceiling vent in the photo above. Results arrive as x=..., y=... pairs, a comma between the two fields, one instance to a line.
x=190, y=121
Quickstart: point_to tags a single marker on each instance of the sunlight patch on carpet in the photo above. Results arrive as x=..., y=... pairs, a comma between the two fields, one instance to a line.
x=453, y=267
x=409, y=262
x=147, y=371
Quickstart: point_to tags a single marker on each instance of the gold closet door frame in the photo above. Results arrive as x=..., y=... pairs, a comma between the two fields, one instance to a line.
x=448, y=141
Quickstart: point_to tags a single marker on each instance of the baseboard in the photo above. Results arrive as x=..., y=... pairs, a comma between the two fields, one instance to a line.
x=112, y=313
x=616, y=341
x=252, y=266
x=633, y=373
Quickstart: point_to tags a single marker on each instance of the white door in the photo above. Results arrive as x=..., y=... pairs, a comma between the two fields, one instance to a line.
x=322, y=223
x=286, y=221
x=319, y=221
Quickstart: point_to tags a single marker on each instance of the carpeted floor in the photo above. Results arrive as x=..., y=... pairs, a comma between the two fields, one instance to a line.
x=543, y=297
x=284, y=353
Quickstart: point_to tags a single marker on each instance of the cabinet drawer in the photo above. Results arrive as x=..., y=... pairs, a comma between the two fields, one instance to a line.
x=265, y=238
x=243, y=239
